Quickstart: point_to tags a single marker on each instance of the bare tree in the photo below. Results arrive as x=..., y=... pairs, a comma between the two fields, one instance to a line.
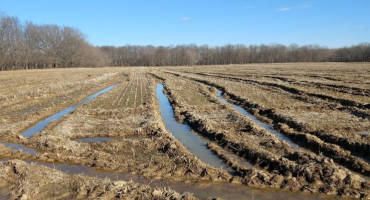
x=50, y=46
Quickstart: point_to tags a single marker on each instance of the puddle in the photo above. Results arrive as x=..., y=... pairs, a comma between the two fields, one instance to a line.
x=94, y=139
x=42, y=124
x=193, y=142
x=278, y=134
x=365, y=132
x=106, y=139
x=239, y=192
x=257, y=121
x=4, y=192
x=19, y=147
x=271, y=130
x=200, y=190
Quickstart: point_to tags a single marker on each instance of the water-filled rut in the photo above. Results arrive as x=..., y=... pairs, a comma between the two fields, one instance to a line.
x=257, y=121
x=42, y=124
x=271, y=130
x=19, y=147
x=94, y=139
x=192, y=141
x=200, y=190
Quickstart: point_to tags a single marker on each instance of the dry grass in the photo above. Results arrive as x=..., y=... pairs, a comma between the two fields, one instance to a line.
x=30, y=181
x=131, y=118
x=325, y=112
x=246, y=139
x=129, y=114
x=140, y=144
x=28, y=96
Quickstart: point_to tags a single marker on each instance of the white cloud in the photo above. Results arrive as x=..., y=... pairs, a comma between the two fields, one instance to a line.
x=185, y=19
x=285, y=9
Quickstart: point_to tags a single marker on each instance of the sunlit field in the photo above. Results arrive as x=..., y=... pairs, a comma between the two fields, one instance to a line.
x=255, y=131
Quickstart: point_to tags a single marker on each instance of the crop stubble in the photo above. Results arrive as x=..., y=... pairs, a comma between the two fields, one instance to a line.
x=323, y=107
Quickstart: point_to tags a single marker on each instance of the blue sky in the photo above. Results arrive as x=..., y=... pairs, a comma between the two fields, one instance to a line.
x=331, y=23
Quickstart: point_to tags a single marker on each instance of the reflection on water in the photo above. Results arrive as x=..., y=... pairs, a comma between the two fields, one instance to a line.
x=365, y=132
x=196, y=145
x=4, y=192
x=19, y=147
x=42, y=124
x=192, y=141
x=94, y=139
x=200, y=190
x=257, y=121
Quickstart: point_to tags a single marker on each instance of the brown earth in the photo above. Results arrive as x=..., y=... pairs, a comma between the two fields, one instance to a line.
x=323, y=107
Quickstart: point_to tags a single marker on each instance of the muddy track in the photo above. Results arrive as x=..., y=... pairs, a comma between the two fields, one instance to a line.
x=173, y=160
x=333, y=87
x=353, y=107
x=358, y=148
x=29, y=113
x=307, y=140
x=259, y=158
x=290, y=80
x=328, y=86
x=76, y=182
x=291, y=164
x=333, y=79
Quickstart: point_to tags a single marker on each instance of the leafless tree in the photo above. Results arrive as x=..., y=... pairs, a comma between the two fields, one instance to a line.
x=32, y=46
x=44, y=46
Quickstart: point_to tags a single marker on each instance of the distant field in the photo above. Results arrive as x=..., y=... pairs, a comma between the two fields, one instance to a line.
x=301, y=127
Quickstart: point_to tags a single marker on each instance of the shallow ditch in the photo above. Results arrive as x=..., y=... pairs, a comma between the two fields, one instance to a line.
x=365, y=132
x=183, y=132
x=42, y=124
x=19, y=147
x=94, y=140
x=193, y=141
x=4, y=192
x=257, y=121
x=107, y=139
x=280, y=135
x=200, y=190
x=196, y=144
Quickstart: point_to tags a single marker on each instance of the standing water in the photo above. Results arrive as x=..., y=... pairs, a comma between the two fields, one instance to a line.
x=42, y=124
x=197, y=146
x=271, y=130
x=257, y=121
x=200, y=190
x=94, y=139
x=19, y=147
x=192, y=141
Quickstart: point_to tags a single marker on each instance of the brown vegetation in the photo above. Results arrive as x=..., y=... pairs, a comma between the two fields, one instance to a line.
x=321, y=107
x=34, y=95
x=31, y=181
x=320, y=124
x=246, y=139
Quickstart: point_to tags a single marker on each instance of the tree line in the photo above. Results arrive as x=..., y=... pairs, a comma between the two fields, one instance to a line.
x=30, y=46
x=231, y=54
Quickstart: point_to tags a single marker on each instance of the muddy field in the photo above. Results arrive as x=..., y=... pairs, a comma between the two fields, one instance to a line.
x=263, y=131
